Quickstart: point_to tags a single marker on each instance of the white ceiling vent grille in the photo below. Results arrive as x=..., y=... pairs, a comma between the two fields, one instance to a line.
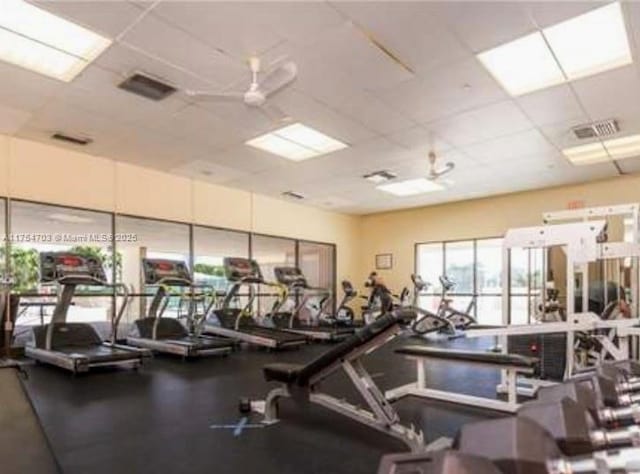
x=604, y=128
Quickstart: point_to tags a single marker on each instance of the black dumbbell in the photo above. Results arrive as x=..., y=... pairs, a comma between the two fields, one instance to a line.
x=517, y=445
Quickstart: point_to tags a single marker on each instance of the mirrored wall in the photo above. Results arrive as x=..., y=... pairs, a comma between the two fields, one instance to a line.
x=38, y=228
x=121, y=241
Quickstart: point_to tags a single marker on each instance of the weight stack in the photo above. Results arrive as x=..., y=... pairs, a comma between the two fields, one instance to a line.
x=549, y=348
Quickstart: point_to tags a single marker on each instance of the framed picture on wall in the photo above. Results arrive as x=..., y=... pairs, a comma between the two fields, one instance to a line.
x=384, y=261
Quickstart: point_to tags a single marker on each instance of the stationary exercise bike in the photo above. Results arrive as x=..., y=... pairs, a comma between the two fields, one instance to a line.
x=461, y=319
x=456, y=319
x=381, y=300
x=344, y=316
x=427, y=322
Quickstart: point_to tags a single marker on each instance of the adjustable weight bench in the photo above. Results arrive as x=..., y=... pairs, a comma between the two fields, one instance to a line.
x=511, y=364
x=302, y=382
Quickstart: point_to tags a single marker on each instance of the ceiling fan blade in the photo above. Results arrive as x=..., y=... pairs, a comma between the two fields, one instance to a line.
x=216, y=96
x=279, y=78
x=275, y=113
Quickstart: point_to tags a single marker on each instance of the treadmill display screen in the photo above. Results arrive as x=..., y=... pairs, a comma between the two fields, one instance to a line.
x=292, y=277
x=244, y=269
x=168, y=272
x=72, y=268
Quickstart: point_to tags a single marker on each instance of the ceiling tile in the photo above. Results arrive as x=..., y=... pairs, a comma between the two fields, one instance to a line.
x=374, y=114
x=525, y=146
x=22, y=89
x=11, y=120
x=105, y=17
x=196, y=125
x=410, y=30
x=420, y=139
x=450, y=90
x=223, y=26
x=613, y=94
x=493, y=121
x=97, y=90
x=548, y=106
x=175, y=46
x=246, y=158
x=346, y=48
x=550, y=13
x=630, y=166
x=302, y=108
x=206, y=170
x=123, y=61
x=484, y=25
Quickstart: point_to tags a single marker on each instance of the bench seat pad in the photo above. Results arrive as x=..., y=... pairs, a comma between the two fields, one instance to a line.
x=495, y=358
x=281, y=372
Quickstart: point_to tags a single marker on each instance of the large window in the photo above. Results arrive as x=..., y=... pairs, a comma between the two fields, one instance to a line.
x=147, y=238
x=475, y=266
x=271, y=252
x=39, y=228
x=210, y=247
x=317, y=264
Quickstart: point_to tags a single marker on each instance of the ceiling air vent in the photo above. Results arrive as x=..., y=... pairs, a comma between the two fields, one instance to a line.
x=82, y=141
x=146, y=86
x=379, y=176
x=293, y=195
x=604, y=128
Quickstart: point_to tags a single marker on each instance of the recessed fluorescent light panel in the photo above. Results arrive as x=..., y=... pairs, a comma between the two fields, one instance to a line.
x=625, y=147
x=586, y=154
x=378, y=177
x=591, y=43
x=582, y=46
x=296, y=142
x=45, y=43
x=411, y=187
x=600, y=152
x=524, y=65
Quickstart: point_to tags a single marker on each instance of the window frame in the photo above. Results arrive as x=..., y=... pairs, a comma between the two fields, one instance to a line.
x=7, y=205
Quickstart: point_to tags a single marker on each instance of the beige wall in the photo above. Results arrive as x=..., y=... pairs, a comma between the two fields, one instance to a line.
x=397, y=232
x=40, y=172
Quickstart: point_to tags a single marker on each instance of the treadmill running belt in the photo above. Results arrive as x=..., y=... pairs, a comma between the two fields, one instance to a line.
x=24, y=447
x=98, y=353
x=201, y=343
x=275, y=334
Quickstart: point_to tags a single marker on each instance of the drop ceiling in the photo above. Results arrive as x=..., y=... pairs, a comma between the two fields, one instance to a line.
x=389, y=114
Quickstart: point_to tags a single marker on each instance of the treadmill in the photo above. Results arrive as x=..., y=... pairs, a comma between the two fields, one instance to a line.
x=168, y=335
x=238, y=323
x=300, y=292
x=77, y=346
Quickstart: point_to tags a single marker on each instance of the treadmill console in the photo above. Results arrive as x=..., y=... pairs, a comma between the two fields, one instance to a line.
x=71, y=268
x=244, y=269
x=167, y=272
x=291, y=277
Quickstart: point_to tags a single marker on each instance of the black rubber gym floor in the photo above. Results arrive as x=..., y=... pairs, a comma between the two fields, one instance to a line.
x=160, y=420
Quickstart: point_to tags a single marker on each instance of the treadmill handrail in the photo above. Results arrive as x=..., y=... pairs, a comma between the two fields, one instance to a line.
x=126, y=299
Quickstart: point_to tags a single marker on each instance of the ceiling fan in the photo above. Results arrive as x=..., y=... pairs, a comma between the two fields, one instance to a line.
x=263, y=86
x=434, y=172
